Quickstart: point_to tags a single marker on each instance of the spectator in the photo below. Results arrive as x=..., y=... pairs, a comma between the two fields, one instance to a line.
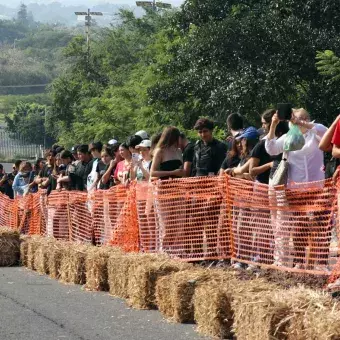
x=209, y=153
x=5, y=187
x=248, y=139
x=262, y=166
x=39, y=165
x=167, y=161
x=23, y=181
x=235, y=124
x=305, y=165
x=96, y=164
x=233, y=158
x=141, y=169
x=188, y=154
x=143, y=134
x=83, y=168
x=11, y=176
x=110, y=157
x=123, y=170
x=132, y=142
x=154, y=141
x=46, y=178
x=74, y=151
x=66, y=179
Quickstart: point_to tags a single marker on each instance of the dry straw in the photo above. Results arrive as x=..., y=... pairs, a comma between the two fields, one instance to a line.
x=121, y=267
x=96, y=267
x=143, y=280
x=55, y=255
x=276, y=314
x=72, y=266
x=23, y=249
x=174, y=293
x=9, y=247
x=213, y=313
x=33, y=244
x=41, y=255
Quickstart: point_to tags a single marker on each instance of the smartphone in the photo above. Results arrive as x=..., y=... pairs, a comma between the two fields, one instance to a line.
x=284, y=111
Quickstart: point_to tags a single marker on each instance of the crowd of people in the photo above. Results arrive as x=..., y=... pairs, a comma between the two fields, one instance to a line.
x=248, y=153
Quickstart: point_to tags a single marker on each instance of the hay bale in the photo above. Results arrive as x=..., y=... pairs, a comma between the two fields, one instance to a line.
x=23, y=249
x=55, y=254
x=174, y=293
x=33, y=244
x=275, y=314
x=213, y=312
x=9, y=247
x=96, y=267
x=142, y=283
x=72, y=264
x=323, y=323
x=120, y=267
x=41, y=255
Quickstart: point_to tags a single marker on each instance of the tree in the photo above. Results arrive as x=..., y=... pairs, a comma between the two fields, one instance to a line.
x=22, y=15
x=328, y=65
x=28, y=120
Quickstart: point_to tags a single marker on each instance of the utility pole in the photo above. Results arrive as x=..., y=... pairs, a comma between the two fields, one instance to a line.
x=88, y=18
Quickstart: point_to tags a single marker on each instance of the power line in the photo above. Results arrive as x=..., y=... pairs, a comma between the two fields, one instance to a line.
x=11, y=86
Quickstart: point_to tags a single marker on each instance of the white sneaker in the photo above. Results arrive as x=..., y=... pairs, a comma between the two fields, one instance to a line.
x=253, y=267
x=237, y=265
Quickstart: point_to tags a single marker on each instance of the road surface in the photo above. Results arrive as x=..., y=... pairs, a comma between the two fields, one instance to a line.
x=34, y=307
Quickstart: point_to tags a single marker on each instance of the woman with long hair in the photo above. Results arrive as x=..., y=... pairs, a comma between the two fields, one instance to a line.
x=167, y=160
x=123, y=170
x=167, y=164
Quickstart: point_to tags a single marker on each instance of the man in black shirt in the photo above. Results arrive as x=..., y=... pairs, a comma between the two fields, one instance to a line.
x=83, y=168
x=209, y=153
x=188, y=153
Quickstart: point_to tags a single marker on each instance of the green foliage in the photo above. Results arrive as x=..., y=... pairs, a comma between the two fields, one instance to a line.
x=328, y=64
x=28, y=121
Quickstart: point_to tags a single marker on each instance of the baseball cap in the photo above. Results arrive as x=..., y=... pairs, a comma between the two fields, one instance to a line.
x=112, y=142
x=146, y=143
x=249, y=133
x=142, y=134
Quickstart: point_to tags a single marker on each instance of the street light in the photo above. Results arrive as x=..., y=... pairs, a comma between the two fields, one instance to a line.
x=153, y=4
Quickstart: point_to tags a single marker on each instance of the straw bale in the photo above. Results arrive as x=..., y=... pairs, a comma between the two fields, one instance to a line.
x=24, y=239
x=96, y=267
x=174, y=293
x=33, y=244
x=323, y=323
x=120, y=268
x=143, y=280
x=213, y=312
x=72, y=265
x=55, y=255
x=275, y=314
x=9, y=247
x=41, y=255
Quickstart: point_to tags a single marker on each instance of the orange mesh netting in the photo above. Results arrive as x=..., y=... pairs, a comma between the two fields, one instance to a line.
x=213, y=218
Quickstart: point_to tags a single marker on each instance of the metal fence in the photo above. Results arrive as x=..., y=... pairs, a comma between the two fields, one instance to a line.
x=13, y=146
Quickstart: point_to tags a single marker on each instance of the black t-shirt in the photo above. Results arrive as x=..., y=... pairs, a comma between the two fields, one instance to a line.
x=188, y=153
x=208, y=158
x=81, y=173
x=260, y=153
x=101, y=169
x=230, y=162
x=47, y=172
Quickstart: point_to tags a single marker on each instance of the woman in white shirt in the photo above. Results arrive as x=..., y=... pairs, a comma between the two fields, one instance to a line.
x=305, y=165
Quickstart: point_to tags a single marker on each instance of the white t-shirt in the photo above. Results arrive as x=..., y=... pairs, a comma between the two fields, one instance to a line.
x=93, y=176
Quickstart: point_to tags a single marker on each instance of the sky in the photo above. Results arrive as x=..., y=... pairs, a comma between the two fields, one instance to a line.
x=16, y=3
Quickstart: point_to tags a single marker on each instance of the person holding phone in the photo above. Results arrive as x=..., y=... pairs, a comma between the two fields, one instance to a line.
x=122, y=173
x=23, y=181
x=305, y=165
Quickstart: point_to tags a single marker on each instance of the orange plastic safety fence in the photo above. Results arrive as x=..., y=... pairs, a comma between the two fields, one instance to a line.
x=213, y=218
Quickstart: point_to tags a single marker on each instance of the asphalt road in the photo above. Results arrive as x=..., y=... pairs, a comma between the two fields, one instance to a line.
x=34, y=307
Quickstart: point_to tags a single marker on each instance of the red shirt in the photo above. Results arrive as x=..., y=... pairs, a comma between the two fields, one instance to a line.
x=336, y=136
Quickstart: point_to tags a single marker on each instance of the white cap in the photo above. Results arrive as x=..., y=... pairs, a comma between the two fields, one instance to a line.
x=112, y=142
x=143, y=134
x=146, y=143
